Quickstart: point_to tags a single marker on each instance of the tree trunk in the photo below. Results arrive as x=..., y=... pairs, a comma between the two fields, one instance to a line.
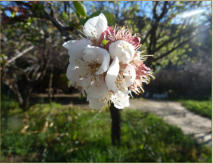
x=50, y=88
x=26, y=95
x=116, y=125
x=26, y=102
x=19, y=97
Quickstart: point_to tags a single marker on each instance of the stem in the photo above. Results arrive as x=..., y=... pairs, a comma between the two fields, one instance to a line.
x=116, y=125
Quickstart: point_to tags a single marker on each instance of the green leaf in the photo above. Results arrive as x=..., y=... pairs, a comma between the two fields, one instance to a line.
x=3, y=56
x=38, y=8
x=80, y=8
x=104, y=41
x=141, y=146
x=65, y=16
x=13, y=14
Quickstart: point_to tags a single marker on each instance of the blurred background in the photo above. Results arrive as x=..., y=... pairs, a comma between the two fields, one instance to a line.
x=44, y=120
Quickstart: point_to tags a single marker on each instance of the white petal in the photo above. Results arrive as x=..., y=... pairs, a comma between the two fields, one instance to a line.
x=97, y=93
x=112, y=75
x=120, y=100
x=76, y=69
x=98, y=89
x=69, y=43
x=76, y=44
x=123, y=50
x=94, y=27
x=129, y=75
x=97, y=55
x=75, y=48
x=75, y=51
x=96, y=103
x=75, y=74
x=69, y=69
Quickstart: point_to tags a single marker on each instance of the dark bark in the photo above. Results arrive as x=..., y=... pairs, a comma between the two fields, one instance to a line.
x=20, y=98
x=50, y=89
x=14, y=88
x=116, y=125
x=26, y=94
x=152, y=34
x=26, y=103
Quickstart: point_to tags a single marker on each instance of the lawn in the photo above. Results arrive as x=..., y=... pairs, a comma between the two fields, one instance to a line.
x=56, y=133
x=201, y=107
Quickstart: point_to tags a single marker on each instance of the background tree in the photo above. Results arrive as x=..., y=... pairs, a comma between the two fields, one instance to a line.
x=33, y=33
x=163, y=34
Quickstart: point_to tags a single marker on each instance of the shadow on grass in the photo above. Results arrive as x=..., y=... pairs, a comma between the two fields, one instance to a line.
x=55, y=133
x=62, y=99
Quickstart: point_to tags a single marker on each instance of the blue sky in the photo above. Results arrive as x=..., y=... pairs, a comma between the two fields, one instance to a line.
x=145, y=8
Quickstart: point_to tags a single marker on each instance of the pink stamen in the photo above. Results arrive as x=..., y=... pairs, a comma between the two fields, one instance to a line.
x=111, y=35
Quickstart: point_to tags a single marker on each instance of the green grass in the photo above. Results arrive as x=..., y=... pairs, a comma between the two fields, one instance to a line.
x=8, y=103
x=201, y=107
x=55, y=133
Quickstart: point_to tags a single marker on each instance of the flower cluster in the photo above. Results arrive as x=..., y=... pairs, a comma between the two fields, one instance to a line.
x=107, y=65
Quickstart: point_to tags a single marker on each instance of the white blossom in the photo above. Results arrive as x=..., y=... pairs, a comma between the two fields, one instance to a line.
x=112, y=74
x=120, y=99
x=129, y=75
x=94, y=27
x=86, y=64
x=105, y=73
x=123, y=50
x=98, y=55
x=76, y=68
x=97, y=93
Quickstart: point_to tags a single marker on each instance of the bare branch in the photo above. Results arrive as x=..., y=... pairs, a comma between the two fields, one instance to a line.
x=154, y=10
x=165, y=10
x=19, y=55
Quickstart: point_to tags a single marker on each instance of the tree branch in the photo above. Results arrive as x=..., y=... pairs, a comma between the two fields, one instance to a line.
x=164, y=10
x=154, y=10
x=51, y=18
x=170, y=40
x=173, y=49
x=19, y=55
